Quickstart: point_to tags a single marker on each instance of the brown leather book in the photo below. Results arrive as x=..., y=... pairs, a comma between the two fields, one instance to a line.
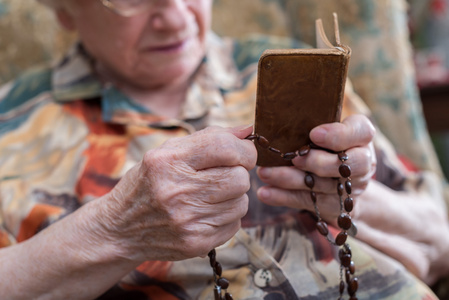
x=297, y=90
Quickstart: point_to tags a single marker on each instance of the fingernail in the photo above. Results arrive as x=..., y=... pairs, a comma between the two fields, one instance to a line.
x=263, y=193
x=265, y=172
x=318, y=135
x=243, y=127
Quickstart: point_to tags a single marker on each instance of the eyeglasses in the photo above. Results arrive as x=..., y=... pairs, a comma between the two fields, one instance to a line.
x=128, y=8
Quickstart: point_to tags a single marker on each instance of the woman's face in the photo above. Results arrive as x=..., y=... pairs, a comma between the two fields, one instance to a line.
x=151, y=49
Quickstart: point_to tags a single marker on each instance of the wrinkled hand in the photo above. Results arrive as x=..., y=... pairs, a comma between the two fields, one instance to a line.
x=409, y=226
x=286, y=184
x=185, y=198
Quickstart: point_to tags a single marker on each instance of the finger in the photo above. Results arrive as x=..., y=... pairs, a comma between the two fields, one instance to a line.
x=329, y=205
x=354, y=131
x=225, y=212
x=221, y=148
x=221, y=184
x=291, y=178
x=361, y=160
x=241, y=131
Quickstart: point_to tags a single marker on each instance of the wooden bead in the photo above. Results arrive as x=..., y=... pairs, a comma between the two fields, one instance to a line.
x=289, y=155
x=347, y=276
x=228, y=296
x=313, y=146
x=212, y=262
x=342, y=287
x=341, y=238
x=212, y=253
x=344, y=221
x=345, y=260
x=212, y=259
x=342, y=156
x=341, y=252
x=340, y=189
x=348, y=204
x=277, y=151
x=313, y=196
x=251, y=137
x=353, y=286
x=322, y=228
x=263, y=142
x=304, y=150
x=309, y=181
x=348, y=187
x=344, y=170
x=218, y=269
x=351, y=268
x=223, y=283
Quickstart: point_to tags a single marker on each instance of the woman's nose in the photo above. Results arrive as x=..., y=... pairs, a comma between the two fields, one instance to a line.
x=170, y=15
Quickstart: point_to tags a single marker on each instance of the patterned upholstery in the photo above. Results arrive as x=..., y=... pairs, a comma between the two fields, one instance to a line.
x=29, y=35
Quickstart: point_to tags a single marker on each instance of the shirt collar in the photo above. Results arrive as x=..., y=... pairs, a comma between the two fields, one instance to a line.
x=73, y=79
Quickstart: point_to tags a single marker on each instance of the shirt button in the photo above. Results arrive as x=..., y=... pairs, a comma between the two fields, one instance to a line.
x=262, y=278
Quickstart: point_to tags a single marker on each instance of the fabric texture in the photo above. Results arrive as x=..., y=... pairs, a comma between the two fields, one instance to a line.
x=69, y=128
x=29, y=36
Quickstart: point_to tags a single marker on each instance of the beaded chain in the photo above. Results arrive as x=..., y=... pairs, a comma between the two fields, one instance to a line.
x=221, y=284
x=347, y=267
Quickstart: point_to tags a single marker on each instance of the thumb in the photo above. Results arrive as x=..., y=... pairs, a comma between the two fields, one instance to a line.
x=241, y=131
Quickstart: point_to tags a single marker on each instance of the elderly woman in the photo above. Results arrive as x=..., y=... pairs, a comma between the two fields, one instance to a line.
x=126, y=163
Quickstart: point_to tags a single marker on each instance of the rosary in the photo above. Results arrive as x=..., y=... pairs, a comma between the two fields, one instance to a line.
x=347, y=268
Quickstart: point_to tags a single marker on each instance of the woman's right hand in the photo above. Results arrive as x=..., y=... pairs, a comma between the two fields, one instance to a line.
x=185, y=198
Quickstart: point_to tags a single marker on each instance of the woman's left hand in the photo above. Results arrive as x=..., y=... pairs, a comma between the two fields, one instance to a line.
x=286, y=187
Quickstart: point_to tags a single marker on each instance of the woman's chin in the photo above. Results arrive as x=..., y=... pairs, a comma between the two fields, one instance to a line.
x=172, y=73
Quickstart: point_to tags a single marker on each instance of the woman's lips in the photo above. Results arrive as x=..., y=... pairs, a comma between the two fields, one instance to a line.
x=174, y=47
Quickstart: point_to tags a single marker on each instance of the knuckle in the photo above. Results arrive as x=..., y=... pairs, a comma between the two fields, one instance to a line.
x=367, y=128
x=155, y=159
x=367, y=160
x=242, y=182
x=371, y=130
x=231, y=156
x=224, y=146
x=318, y=165
x=243, y=206
x=251, y=155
